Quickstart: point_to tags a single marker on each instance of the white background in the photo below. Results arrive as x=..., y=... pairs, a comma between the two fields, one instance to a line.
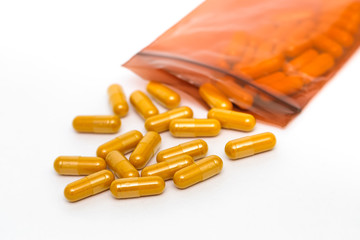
x=57, y=59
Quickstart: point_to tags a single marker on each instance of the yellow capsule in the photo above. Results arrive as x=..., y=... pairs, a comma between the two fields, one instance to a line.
x=232, y=119
x=143, y=105
x=124, y=143
x=118, y=163
x=248, y=146
x=145, y=150
x=195, y=148
x=198, y=172
x=97, y=124
x=168, y=168
x=213, y=97
x=189, y=127
x=161, y=122
x=77, y=165
x=163, y=95
x=118, y=100
x=137, y=187
x=88, y=186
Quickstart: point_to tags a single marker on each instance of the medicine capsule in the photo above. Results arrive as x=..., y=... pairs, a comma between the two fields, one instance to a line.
x=342, y=37
x=198, y=172
x=118, y=100
x=232, y=119
x=89, y=186
x=195, y=148
x=97, y=124
x=145, y=150
x=163, y=95
x=161, y=122
x=325, y=44
x=262, y=68
x=137, y=187
x=248, y=146
x=213, y=97
x=167, y=168
x=295, y=49
x=124, y=143
x=188, y=127
x=301, y=60
x=236, y=93
x=143, y=105
x=118, y=163
x=288, y=85
x=319, y=65
x=77, y=165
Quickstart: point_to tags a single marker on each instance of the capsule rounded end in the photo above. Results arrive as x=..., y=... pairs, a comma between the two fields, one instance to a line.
x=230, y=150
x=75, y=123
x=151, y=112
x=173, y=101
x=101, y=152
x=217, y=127
x=188, y=112
x=160, y=157
x=115, y=124
x=57, y=164
x=121, y=110
x=150, y=125
x=160, y=185
x=249, y=123
x=138, y=161
x=179, y=180
x=114, y=188
x=272, y=139
x=203, y=146
x=70, y=193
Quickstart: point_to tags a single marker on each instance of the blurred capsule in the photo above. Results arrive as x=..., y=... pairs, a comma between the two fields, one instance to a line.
x=97, y=124
x=77, y=165
x=262, y=68
x=88, y=186
x=327, y=45
x=137, y=187
x=235, y=92
x=342, y=37
x=118, y=163
x=300, y=61
x=319, y=65
x=124, y=143
x=213, y=97
x=251, y=145
x=195, y=148
x=189, y=127
x=167, y=168
x=232, y=119
x=145, y=150
x=143, y=105
x=163, y=95
x=161, y=122
x=118, y=100
x=198, y=172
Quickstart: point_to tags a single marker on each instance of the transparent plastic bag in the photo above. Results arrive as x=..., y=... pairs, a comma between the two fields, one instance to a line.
x=268, y=57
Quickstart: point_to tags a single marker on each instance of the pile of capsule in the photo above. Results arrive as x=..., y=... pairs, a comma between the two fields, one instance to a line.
x=187, y=163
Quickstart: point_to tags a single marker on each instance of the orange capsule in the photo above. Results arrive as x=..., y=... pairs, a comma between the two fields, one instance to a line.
x=189, y=127
x=349, y=26
x=89, y=186
x=196, y=149
x=232, y=119
x=118, y=163
x=251, y=145
x=77, y=165
x=97, y=124
x=124, y=143
x=342, y=37
x=137, y=187
x=163, y=95
x=325, y=44
x=274, y=77
x=262, y=68
x=161, y=122
x=287, y=85
x=198, y=172
x=301, y=60
x=145, y=150
x=167, y=168
x=319, y=66
x=118, y=100
x=213, y=97
x=298, y=47
x=236, y=93
x=143, y=105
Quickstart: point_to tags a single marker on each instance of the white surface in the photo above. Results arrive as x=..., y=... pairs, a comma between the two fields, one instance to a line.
x=56, y=61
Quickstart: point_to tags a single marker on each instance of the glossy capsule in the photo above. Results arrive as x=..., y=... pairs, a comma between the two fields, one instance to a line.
x=189, y=127
x=143, y=105
x=97, y=124
x=118, y=163
x=213, y=97
x=198, y=172
x=319, y=65
x=118, y=100
x=77, y=165
x=124, y=143
x=88, y=186
x=195, y=148
x=145, y=150
x=137, y=187
x=327, y=45
x=235, y=92
x=232, y=119
x=251, y=145
x=163, y=95
x=161, y=122
x=167, y=168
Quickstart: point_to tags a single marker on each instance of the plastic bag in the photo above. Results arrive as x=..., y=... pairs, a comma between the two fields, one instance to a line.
x=268, y=57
